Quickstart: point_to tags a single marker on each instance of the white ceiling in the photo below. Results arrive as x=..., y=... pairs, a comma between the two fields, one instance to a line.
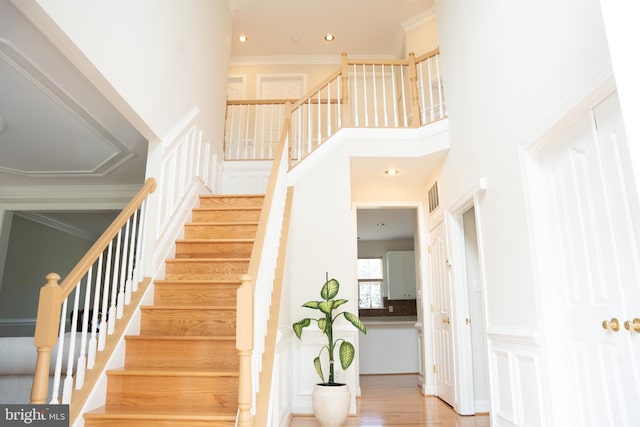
x=60, y=131
x=284, y=28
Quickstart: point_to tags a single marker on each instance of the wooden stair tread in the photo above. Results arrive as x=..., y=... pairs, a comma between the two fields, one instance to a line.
x=153, y=412
x=215, y=240
x=228, y=208
x=173, y=372
x=188, y=307
x=181, y=338
x=198, y=281
x=221, y=223
x=222, y=260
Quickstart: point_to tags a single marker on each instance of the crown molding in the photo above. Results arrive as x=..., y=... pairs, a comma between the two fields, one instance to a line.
x=418, y=20
x=56, y=224
x=300, y=59
x=109, y=194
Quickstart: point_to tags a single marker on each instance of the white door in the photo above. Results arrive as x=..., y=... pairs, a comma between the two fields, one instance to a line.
x=442, y=328
x=593, y=263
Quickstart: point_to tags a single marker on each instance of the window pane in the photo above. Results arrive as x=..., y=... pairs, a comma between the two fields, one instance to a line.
x=370, y=268
x=370, y=295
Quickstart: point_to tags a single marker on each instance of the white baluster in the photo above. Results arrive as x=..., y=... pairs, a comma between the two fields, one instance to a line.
x=132, y=247
x=354, y=101
x=68, y=381
x=440, y=94
x=328, y=109
x=123, y=271
x=93, y=342
x=364, y=95
x=395, y=96
x=384, y=97
x=82, y=358
x=309, y=127
x=421, y=96
x=404, y=99
x=339, y=111
x=319, y=120
x=431, y=90
x=142, y=233
x=57, y=373
x=102, y=335
x=111, y=320
x=375, y=96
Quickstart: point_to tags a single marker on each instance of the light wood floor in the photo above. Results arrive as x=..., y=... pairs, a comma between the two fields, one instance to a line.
x=395, y=400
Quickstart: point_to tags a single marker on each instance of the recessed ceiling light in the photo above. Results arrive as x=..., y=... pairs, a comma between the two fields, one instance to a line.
x=329, y=37
x=392, y=171
x=242, y=38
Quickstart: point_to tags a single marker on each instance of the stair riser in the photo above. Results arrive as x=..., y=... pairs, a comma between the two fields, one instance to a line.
x=183, y=322
x=167, y=294
x=192, y=249
x=214, y=231
x=231, y=215
x=231, y=201
x=107, y=421
x=220, y=356
x=184, y=269
x=172, y=391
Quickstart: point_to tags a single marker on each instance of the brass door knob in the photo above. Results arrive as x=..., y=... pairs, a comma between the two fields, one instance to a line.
x=612, y=324
x=632, y=325
x=445, y=320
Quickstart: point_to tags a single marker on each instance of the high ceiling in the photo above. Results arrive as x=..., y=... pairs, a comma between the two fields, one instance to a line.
x=56, y=129
x=281, y=28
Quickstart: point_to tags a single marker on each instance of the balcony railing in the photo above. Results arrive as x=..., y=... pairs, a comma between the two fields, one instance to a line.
x=361, y=93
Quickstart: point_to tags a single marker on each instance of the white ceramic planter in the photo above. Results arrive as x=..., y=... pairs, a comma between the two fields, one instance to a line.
x=331, y=404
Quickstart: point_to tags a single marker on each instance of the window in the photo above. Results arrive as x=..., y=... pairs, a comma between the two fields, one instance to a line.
x=370, y=278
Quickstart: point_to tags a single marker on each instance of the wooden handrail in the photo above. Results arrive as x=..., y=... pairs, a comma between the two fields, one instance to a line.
x=257, y=101
x=428, y=55
x=52, y=295
x=72, y=279
x=316, y=88
x=245, y=294
x=378, y=62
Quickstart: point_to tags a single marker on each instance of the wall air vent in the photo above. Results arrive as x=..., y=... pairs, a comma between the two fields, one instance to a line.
x=434, y=200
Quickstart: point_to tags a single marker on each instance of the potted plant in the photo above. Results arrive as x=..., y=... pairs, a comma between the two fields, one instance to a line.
x=330, y=400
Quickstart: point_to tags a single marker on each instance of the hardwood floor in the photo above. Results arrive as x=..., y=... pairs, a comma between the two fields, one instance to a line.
x=395, y=400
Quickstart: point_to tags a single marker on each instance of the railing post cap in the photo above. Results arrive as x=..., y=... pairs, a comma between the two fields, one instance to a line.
x=52, y=279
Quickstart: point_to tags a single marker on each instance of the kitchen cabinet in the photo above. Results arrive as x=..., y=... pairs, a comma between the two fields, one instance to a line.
x=401, y=275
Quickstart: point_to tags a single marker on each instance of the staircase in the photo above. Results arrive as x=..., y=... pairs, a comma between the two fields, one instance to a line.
x=182, y=370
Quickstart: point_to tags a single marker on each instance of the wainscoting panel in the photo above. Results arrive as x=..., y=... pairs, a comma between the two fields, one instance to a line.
x=250, y=177
x=516, y=376
x=280, y=401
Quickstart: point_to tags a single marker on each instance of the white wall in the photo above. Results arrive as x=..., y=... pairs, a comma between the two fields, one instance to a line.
x=162, y=57
x=510, y=68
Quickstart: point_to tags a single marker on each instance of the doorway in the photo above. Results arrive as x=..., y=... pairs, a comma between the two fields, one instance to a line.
x=459, y=313
x=389, y=301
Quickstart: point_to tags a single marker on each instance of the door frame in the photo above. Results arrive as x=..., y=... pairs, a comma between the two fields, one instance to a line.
x=462, y=345
x=424, y=323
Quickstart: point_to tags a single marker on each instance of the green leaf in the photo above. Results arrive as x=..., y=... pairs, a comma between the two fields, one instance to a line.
x=347, y=354
x=298, y=326
x=322, y=324
x=330, y=289
x=311, y=304
x=337, y=303
x=318, y=366
x=355, y=321
x=326, y=307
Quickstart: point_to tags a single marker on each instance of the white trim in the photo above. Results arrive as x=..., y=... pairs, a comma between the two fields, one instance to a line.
x=62, y=195
x=59, y=225
x=514, y=336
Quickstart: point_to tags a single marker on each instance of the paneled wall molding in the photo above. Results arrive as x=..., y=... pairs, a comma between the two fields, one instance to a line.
x=245, y=177
x=513, y=336
x=516, y=375
x=62, y=226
